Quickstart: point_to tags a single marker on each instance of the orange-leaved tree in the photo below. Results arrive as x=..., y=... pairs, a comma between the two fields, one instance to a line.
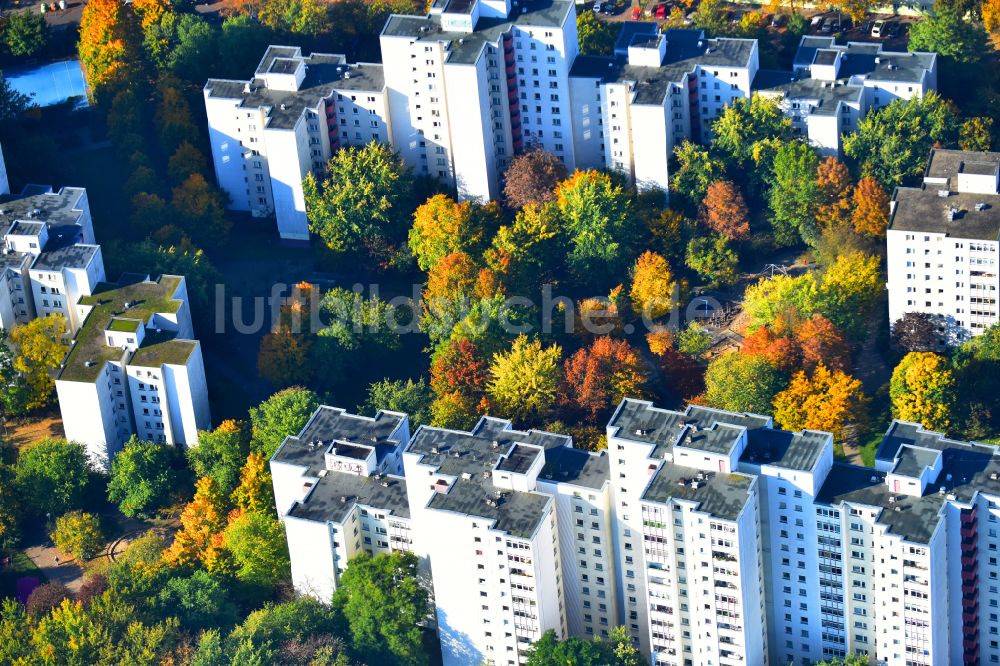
x=870, y=204
x=828, y=400
x=724, y=211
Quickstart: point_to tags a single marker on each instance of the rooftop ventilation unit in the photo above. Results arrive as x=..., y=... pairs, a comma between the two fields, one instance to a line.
x=944, y=193
x=952, y=214
x=981, y=206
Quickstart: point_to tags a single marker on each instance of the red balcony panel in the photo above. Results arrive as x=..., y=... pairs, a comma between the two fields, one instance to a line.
x=969, y=577
x=970, y=559
x=968, y=516
x=971, y=646
x=968, y=531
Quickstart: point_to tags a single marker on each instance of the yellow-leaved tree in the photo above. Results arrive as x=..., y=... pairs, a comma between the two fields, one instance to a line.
x=39, y=348
x=922, y=390
x=828, y=400
x=654, y=288
x=523, y=381
x=202, y=522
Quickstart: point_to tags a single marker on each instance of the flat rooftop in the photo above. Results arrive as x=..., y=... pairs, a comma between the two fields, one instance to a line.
x=331, y=427
x=325, y=73
x=335, y=494
x=967, y=468
x=471, y=457
x=39, y=204
x=723, y=496
x=922, y=209
x=576, y=467
x=945, y=163
x=824, y=96
x=133, y=297
x=864, y=60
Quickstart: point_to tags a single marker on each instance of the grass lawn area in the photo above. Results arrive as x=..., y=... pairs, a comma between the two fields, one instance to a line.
x=20, y=565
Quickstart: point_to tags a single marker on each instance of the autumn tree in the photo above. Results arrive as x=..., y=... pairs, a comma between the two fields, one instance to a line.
x=39, y=348
x=256, y=543
x=599, y=376
x=977, y=133
x=922, y=390
x=532, y=178
x=202, y=520
x=458, y=380
x=991, y=22
x=725, y=212
x=220, y=454
x=713, y=259
x=594, y=35
x=200, y=209
x=358, y=205
x=742, y=383
x=78, y=534
x=746, y=123
x=285, y=354
x=849, y=291
x=671, y=231
x=596, y=215
x=870, y=214
x=108, y=45
x=825, y=399
x=915, y=332
x=697, y=168
x=441, y=226
x=820, y=342
x=524, y=380
x=654, y=289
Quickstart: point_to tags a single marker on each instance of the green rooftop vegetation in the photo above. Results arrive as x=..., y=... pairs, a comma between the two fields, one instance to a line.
x=153, y=353
x=119, y=325
x=133, y=298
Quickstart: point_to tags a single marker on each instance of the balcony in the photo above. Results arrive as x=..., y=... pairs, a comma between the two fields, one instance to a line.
x=970, y=560
x=968, y=531
x=969, y=577
x=968, y=517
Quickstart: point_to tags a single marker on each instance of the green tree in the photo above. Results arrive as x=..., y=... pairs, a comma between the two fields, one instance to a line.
x=794, y=194
x=744, y=124
x=441, y=226
x=256, y=542
x=12, y=102
x=199, y=601
x=892, y=143
x=594, y=35
x=194, y=56
x=773, y=299
x=713, y=259
x=742, y=383
x=922, y=390
x=51, y=477
x=220, y=454
x=976, y=134
x=10, y=513
x=525, y=379
x=383, y=603
x=550, y=651
x=410, y=397
x=696, y=169
x=596, y=214
x=529, y=250
x=359, y=330
x=25, y=33
x=284, y=413
x=240, y=43
x=360, y=202
x=946, y=33
x=78, y=534
x=142, y=477
x=849, y=291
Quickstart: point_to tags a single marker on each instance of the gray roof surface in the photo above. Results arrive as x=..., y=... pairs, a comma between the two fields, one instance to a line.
x=629, y=31
x=921, y=209
x=54, y=208
x=325, y=73
x=335, y=494
x=944, y=163
x=717, y=431
x=824, y=97
x=564, y=464
x=967, y=468
x=72, y=256
x=465, y=47
x=332, y=424
x=860, y=60
x=475, y=454
x=721, y=495
x=605, y=68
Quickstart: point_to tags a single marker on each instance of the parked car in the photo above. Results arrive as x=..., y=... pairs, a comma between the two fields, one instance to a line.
x=829, y=23
x=597, y=7
x=636, y=13
x=779, y=20
x=661, y=11
x=892, y=29
x=878, y=28
x=816, y=20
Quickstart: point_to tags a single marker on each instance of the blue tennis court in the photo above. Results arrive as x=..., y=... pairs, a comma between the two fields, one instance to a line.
x=49, y=84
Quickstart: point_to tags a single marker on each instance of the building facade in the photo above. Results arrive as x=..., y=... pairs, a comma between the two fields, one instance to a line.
x=942, y=243
x=711, y=536
x=134, y=368
x=474, y=82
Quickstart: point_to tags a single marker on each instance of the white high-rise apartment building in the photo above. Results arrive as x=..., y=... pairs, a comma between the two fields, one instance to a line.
x=474, y=82
x=942, y=242
x=49, y=257
x=711, y=536
x=285, y=122
x=832, y=87
x=134, y=368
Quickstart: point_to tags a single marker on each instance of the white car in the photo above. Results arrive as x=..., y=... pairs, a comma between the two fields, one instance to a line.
x=878, y=28
x=597, y=7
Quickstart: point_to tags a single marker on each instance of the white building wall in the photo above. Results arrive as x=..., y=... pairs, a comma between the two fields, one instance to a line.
x=588, y=122
x=314, y=562
x=651, y=146
x=467, y=89
x=88, y=416
x=289, y=161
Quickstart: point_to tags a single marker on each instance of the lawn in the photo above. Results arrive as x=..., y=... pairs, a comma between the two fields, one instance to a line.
x=20, y=565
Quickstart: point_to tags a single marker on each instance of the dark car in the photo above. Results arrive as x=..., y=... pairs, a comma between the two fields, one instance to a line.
x=779, y=20
x=892, y=29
